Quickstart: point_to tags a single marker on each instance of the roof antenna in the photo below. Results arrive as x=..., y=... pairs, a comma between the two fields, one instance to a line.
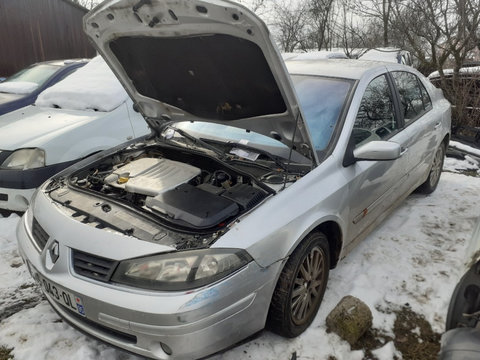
x=291, y=151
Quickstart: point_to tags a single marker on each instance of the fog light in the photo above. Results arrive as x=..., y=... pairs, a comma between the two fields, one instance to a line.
x=166, y=348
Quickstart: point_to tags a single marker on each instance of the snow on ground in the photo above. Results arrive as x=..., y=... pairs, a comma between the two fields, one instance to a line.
x=92, y=87
x=458, y=166
x=464, y=147
x=416, y=256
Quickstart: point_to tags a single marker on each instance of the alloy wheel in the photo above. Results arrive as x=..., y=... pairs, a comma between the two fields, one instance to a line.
x=306, y=291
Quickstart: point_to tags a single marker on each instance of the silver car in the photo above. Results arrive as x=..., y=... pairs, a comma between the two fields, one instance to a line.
x=258, y=177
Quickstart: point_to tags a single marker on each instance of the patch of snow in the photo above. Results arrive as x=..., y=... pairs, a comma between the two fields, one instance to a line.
x=416, y=256
x=382, y=54
x=12, y=272
x=457, y=166
x=387, y=352
x=38, y=334
x=18, y=87
x=464, y=147
x=92, y=87
x=465, y=70
x=416, y=331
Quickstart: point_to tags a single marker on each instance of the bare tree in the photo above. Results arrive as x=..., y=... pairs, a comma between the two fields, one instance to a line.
x=321, y=13
x=259, y=7
x=381, y=10
x=351, y=33
x=290, y=20
x=437, y=31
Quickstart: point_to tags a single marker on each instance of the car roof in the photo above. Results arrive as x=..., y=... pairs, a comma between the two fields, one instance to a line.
x=340, y=68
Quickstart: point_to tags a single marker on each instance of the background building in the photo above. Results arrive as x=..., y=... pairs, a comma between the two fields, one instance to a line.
x=39, y=30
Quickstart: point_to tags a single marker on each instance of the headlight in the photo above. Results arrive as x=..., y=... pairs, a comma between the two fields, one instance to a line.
x=24, y=159
x=182, y=270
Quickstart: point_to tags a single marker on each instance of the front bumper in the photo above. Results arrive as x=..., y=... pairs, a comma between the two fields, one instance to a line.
x=15, y=199
x=18, y=186
x=159, y=325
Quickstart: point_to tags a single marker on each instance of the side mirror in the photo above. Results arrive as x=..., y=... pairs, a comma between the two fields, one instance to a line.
x=378, y=151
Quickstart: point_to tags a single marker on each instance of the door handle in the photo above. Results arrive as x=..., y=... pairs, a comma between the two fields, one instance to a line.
x=403, y=151
x=437, y=125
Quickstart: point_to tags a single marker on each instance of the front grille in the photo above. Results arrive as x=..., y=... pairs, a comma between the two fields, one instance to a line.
x=118, y=335
x=92, y=266
x=40, y=236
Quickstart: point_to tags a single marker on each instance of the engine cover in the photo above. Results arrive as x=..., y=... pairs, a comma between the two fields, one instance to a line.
x=151, y=176
x=193, y=206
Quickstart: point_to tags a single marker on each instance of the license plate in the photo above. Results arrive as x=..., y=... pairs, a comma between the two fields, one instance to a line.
x=62, y=296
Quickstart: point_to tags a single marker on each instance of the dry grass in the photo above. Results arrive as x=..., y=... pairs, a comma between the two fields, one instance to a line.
x=5, y=353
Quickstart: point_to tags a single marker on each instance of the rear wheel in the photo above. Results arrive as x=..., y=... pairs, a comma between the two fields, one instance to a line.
x=431, y=183
x=300, y=288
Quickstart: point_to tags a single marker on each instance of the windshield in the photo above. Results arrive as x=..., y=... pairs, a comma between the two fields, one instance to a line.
x=37, y=74
x=322, y=101
x=28, y=80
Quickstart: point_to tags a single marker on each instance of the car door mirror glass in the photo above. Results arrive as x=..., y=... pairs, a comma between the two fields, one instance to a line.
x=378, y=151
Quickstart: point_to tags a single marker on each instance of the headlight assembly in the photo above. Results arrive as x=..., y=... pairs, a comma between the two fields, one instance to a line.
x=182, y=270
x=24, y=159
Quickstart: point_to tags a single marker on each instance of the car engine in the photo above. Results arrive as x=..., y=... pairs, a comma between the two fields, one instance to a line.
x=182, y=189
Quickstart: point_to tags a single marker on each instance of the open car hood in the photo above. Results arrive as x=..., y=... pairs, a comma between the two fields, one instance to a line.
x=211, y=60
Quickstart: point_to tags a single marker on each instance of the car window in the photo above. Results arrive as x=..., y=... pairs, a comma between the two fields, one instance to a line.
x=322, y=101
x=414, y=99
x=37, y=74
x=376, y=116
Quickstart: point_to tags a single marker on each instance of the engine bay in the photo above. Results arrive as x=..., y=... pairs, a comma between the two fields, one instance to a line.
x=184, y=190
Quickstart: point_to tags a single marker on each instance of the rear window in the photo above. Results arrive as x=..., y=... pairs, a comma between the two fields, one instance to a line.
x=414, y=98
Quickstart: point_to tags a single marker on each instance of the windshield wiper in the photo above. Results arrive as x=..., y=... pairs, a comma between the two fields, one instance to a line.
x=233, y=144
x=200, y=142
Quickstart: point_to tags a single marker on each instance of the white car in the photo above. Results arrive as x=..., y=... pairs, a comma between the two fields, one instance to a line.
x=85, y=113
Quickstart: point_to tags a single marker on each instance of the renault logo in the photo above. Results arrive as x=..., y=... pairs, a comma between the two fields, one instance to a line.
x=54, y=251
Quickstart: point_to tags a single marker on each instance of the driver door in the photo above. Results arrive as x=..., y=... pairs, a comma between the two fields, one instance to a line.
x=375, y=186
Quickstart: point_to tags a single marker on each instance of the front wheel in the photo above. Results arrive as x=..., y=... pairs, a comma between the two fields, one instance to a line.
x=300, y=288
x=431, y=183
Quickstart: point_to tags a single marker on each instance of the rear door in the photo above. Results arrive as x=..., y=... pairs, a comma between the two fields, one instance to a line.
x=422, y=122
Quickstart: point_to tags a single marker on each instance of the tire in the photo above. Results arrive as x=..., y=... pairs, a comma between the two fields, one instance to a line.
x=431, y=183
x=297, y=297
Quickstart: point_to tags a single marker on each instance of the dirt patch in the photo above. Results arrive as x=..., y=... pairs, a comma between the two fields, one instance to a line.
x=19, y=304
x=414, y=336
x=5, y=353
x=373, y=339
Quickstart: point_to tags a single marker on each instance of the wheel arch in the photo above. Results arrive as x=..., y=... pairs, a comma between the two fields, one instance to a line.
x=333, y=232
x=446, y=140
